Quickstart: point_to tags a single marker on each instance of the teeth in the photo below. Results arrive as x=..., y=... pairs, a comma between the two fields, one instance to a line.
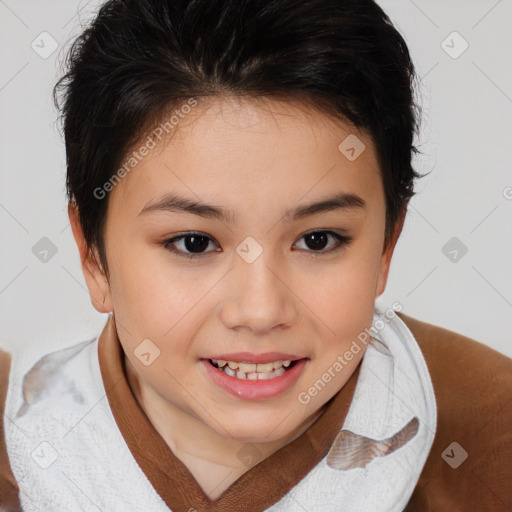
x=251, y=367
x=247, y=368
x=251, y=371
x=267, y=367
x=229, y=371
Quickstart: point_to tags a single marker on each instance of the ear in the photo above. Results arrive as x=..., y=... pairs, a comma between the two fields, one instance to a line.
x=97, y=283
x=387, y=253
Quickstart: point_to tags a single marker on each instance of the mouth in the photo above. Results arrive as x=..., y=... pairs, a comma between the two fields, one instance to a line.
x=262, y=380
x=253, y=371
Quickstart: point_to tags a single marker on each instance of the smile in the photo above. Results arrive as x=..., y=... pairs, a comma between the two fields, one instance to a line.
x=254, y=381
x=252, y=371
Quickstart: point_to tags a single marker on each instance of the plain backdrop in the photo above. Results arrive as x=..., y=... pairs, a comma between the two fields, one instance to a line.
x=453, y=263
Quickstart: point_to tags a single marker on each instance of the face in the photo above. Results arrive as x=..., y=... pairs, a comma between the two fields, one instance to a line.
x=215, y=252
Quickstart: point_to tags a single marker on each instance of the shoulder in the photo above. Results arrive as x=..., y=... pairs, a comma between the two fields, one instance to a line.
x=58, y=383
x=8, y=485
x=44, y=396
x=469, y=463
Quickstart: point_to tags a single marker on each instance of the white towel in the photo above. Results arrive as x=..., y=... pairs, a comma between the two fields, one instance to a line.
x=391, y=420
x=67, y=453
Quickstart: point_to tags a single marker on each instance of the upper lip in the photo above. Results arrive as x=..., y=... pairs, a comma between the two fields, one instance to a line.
x=250, y=357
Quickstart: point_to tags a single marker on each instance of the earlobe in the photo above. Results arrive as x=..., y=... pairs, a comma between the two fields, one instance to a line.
x=95, y=279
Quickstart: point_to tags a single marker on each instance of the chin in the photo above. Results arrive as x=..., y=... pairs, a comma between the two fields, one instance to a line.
x=254, y=430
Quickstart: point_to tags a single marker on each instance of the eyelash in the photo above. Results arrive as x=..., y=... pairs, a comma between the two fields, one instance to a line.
x=342, y=241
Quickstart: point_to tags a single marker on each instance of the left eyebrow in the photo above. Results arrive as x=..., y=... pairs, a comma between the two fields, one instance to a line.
x=340, y=201
x=177, y=204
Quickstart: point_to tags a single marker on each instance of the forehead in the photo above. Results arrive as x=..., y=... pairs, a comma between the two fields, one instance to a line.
x=249, y=153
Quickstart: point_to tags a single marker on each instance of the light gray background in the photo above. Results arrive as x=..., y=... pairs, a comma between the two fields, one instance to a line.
x=466, y=138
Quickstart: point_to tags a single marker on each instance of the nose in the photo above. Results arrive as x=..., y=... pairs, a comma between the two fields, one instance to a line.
x=259, y=297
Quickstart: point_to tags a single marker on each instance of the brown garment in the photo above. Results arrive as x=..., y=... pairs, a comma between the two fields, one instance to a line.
x=8, y=486
x=473, y=388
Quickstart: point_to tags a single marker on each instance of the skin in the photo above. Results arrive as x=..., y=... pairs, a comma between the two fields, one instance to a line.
x=255, y=160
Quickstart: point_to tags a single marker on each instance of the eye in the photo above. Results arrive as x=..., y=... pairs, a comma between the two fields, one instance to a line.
x=193, y=245
x=317, y=240
x=189, y=242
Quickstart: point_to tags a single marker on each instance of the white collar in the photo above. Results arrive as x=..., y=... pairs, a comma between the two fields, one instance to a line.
x=375, y=461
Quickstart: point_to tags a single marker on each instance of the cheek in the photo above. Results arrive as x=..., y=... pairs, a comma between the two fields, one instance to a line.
x=141, y=291
x=155, y=299
x=344, y=298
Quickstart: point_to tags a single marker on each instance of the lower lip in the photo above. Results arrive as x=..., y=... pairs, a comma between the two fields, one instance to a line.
x=255, y=389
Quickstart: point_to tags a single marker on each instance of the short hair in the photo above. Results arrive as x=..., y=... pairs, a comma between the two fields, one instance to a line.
x=140, y=58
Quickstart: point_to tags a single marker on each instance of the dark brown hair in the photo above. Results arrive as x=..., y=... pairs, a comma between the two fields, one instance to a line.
x=139, y=58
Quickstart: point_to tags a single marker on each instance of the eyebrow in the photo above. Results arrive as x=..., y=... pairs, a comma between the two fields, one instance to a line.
x=177, y=204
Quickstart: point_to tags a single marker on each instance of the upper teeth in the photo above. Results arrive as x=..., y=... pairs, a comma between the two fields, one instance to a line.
x=251, y=367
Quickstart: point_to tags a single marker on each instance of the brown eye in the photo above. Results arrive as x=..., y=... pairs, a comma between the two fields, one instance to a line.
x=194, y=245
x=317, y=241
x=190, y=245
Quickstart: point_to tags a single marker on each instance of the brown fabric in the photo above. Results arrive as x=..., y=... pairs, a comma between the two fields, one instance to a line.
x=257, y=489
x=473, y=388
x=9, y=501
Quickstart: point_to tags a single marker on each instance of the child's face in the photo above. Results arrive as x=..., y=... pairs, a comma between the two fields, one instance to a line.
x=295, y=297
